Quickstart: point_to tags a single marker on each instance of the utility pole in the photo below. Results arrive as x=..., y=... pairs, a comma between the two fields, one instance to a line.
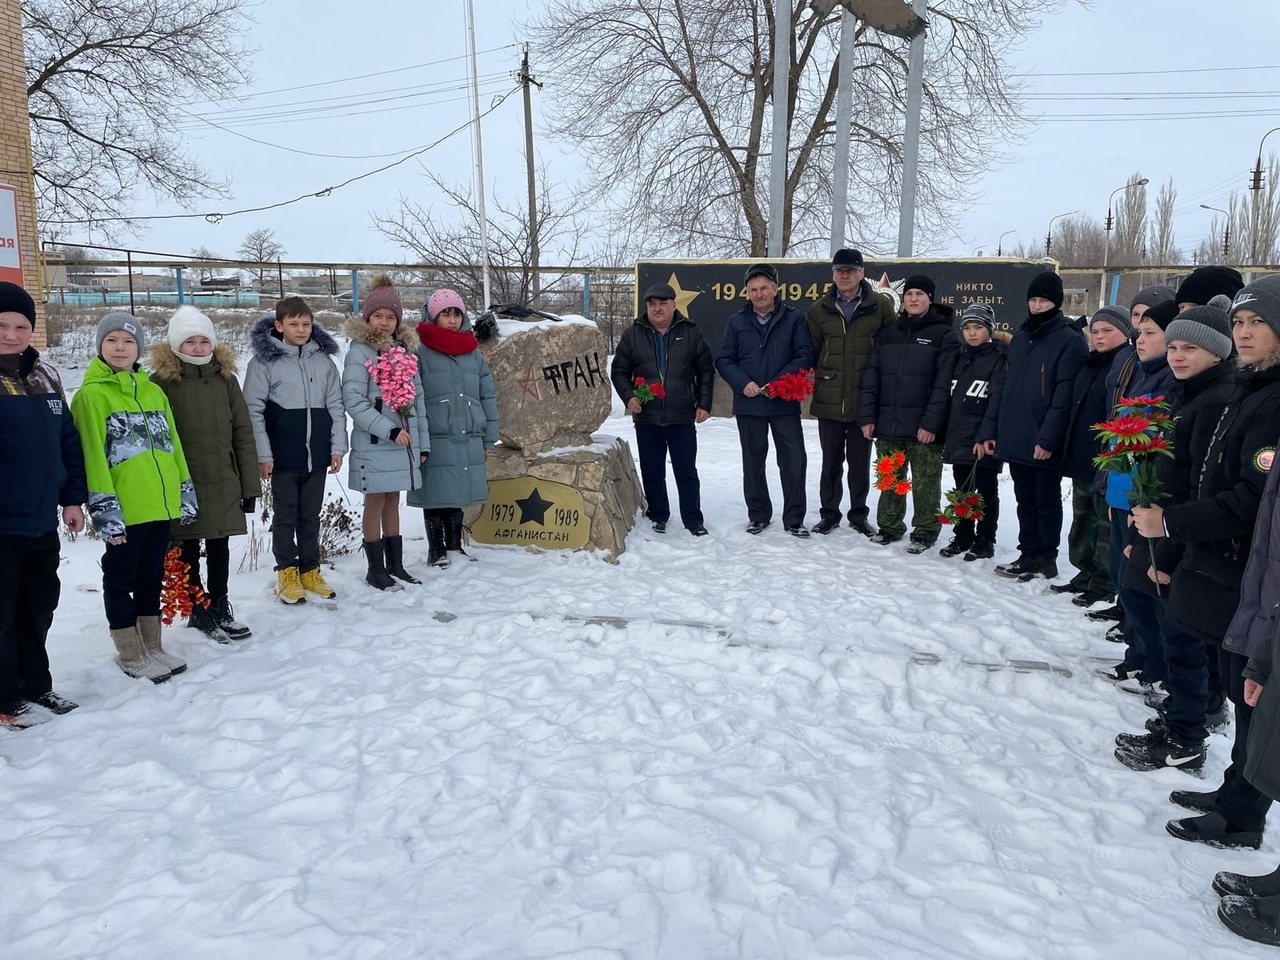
x=844, y=123
x=526, y=81
x=911, y=140
x=781, y=126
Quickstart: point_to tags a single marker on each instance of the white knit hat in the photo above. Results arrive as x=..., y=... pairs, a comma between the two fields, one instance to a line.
x=190, y=322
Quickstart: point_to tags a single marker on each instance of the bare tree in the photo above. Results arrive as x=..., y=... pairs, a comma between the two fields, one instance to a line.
x=262, y=247
x=454, y=243
x=107, y=83
x=670, y=103
x=206, y=271
x=1161, y=248
x=1129, y=240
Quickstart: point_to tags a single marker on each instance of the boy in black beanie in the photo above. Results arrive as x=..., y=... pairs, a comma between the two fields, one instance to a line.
x=1026, y=424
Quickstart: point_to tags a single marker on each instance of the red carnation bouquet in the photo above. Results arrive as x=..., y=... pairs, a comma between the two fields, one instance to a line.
x=790, y=386
x=962, y=505
x=644, y=392
x=890, y=474
x=177, y=596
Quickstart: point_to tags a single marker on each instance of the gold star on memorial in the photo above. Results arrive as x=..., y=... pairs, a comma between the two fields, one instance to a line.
x=683, y=297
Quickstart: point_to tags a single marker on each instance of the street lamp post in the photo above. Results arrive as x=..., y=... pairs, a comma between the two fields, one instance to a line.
x=1048, y=233
x=1255, y=185
x=1000, y=242
x=1106, y=247
x=1226, y=231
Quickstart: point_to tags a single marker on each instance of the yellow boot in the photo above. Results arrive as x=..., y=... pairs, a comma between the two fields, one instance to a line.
x=314, y=583
x=288, y=586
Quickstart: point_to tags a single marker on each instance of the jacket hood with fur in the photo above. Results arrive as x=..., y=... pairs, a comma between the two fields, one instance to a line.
x=268, y=346
x=167, y=365
x=361, y=332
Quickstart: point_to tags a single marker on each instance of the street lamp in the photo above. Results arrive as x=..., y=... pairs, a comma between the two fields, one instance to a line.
x=1000, y=242
x=1255, y=185
x=1106, y=247
x=1048, y=234
x=1226, y=231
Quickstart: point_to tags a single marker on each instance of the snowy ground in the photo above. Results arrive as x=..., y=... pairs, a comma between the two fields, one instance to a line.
x=473, y=769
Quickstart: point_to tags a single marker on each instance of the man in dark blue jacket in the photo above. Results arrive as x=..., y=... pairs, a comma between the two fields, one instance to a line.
x=762, y=341
x=663, y=347
x=43, y=469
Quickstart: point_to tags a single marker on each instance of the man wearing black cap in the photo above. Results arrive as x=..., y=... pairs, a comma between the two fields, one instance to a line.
x=762, y=341
x=44, y=470
x=664, y=347
x=1205, y=283
x=843, y=325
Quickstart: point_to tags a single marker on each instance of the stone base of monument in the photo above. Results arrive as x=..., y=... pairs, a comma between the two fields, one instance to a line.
x=562, y=498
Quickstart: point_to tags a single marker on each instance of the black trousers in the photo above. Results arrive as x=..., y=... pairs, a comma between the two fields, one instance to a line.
x=1038, y=491
x=29, y=592
x=788, y=438
x=843, y=443
x=987, y=482
x=217, y=553
x=133, y=573
x=296, y=501
x=653, y=443
x=1240, y=802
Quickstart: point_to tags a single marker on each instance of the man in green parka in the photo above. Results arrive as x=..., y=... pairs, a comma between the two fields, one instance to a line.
x=844, y=324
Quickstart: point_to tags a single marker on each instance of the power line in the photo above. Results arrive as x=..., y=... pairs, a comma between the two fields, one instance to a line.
x=1150, y=73
x=1145, y=117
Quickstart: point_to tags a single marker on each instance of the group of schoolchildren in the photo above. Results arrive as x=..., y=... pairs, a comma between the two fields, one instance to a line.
x=177, y=454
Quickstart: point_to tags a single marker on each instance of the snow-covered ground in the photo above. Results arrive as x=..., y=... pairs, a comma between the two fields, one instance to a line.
x=763, y=748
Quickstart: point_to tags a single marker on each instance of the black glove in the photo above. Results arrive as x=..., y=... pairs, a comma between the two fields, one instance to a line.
x=248, y=504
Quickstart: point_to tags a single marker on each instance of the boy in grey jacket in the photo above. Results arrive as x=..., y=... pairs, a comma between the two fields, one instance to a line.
x=294, y=395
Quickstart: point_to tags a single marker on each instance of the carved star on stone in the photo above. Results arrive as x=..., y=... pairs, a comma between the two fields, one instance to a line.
x=529, y=383
x=683, y=297
x=533, y=509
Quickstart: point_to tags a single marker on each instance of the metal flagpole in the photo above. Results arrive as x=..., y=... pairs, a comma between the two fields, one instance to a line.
x=475, y=108
x=911, y=140
x=844, y=123
x=781, y=122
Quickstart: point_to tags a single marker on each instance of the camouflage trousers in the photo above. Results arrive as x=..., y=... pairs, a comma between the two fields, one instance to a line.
x=924, y=470
x=1089, y=540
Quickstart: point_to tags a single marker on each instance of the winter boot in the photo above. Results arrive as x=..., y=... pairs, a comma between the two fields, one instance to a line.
x=149, y=631
x=395, y=559
x=226, y=619
x=1226, y=884
x=133, y=659
x=982, y=550
x=958, y=545
x=289, y=587
x=1159, y=751
x=54, y=703
x=1043, y=567
x=453, y=534
x=1197, y=800
x=313, y=582
x=202, y=619
x=1012, y=571
x=1254, y=918
x=377, y=577
x=437, y=552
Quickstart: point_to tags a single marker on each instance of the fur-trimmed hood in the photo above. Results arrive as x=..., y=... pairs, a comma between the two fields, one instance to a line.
x=166, y=365
x=1266, y=363
x=360, y=332
x=268, y=346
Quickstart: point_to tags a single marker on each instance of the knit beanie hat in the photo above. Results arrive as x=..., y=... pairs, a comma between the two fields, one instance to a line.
x=120, y=320
x=760, y=270
x=13, y=299
x=1206, y=327
x=979, y=313
x=189, y=322
x=1205, y=282
x=1150, y=296
x=1262, y=296
x=919, y=281
x=382, y=295
x=442, y=300
x=1047, y=285
x=1115, y=315
x=1162, y=313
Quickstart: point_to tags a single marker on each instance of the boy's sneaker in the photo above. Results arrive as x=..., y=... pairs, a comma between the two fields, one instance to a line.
x=313, y=582
x=1157, y=752
x=957, y=546
x=918, y=546
x=54, y=703
x=21, y=717
x=289, y=586
x=1088, y=598
x=1218, y=720
x=884, y=539
x=982, y=550
x=1155, y=697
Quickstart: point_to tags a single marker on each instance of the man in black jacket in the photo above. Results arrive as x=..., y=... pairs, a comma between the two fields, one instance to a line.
x=664, y=349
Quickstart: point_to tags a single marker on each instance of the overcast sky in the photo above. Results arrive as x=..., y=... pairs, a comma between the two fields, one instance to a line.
x=1167, y=87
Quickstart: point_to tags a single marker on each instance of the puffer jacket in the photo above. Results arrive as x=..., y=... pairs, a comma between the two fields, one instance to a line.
x=132, y=453
x=977, y=371
x=906, y=385
x=217, y=438
x=462, y=417
x=294, y=397
x=689, y=377
x=1148, y=378
x=1090, y=404
x=760, y=353
x=1032, y=404
x=841, y=350
x=1256, y=627
x=378, y=464
x=1217, y=522
x=44, y=467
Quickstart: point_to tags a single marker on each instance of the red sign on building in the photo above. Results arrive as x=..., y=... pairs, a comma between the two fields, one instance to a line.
x=10, y=247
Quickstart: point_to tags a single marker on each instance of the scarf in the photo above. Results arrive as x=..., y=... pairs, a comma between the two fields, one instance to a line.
x=451, y=343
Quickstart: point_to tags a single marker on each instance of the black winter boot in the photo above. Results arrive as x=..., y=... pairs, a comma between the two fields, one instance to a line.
x=377, y=576
x=203, y=620
x=226, y=619
x=959, y=544
x=437, y=554
x=453, y=534
x=395, y=559
x=981, y=550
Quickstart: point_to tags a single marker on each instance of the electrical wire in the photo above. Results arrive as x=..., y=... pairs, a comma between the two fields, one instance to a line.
x=1151, y=73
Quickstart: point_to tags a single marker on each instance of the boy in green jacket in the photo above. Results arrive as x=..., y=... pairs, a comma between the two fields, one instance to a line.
x=138, y=483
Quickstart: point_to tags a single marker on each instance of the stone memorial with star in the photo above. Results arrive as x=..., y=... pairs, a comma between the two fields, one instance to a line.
x=554, y=482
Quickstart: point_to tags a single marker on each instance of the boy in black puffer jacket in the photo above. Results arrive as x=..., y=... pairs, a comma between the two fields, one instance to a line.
x=981, y=363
